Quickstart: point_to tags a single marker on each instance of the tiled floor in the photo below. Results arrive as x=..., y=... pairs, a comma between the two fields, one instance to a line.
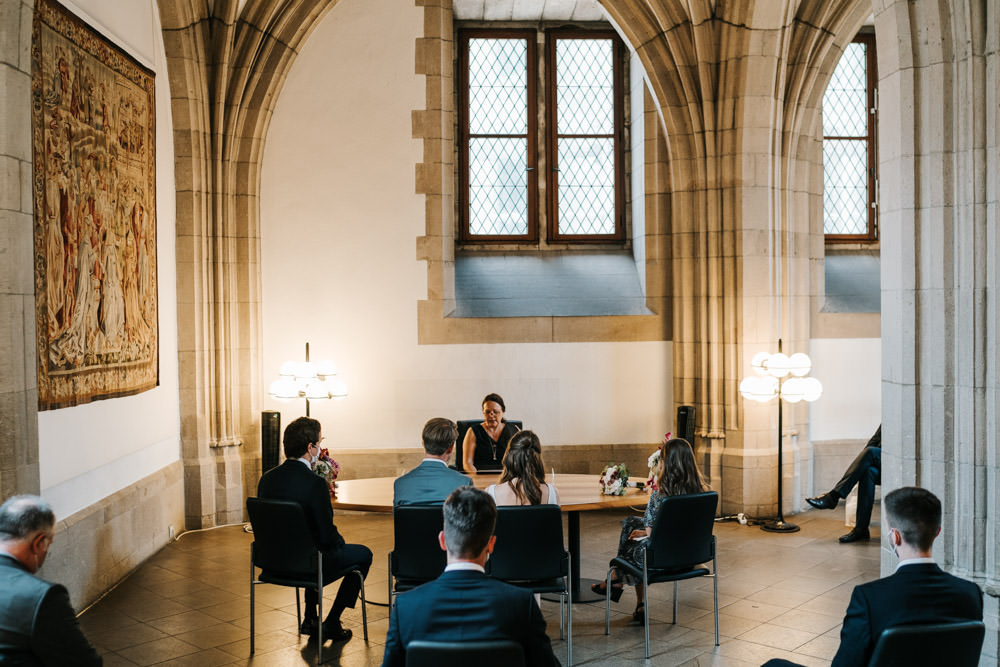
x=780, y=595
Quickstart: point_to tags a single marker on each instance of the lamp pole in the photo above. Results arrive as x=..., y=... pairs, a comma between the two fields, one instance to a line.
x=779, y=525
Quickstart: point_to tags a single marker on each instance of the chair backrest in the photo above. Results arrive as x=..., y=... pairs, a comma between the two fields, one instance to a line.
x=682, y=533
x=464, y=425
x=494, y=653
x=282, y=540
x=529, y=544
x=956, y=644
x=416, y=553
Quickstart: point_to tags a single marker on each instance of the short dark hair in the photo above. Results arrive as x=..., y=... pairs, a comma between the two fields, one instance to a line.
x=298, y=435
x=22, y=516
x=496, y=399
x=470, y=516
x=915, y=513
x=439, y=435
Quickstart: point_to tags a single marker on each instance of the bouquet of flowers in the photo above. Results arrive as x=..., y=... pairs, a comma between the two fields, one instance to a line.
x=614, y=479
x=328, y=469
x=654, y=462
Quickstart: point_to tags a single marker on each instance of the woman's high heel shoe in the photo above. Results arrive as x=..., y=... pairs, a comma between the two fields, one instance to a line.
x=639, y=615
x=601, y=588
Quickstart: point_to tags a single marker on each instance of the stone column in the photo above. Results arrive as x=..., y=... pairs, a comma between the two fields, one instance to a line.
x=18, y=378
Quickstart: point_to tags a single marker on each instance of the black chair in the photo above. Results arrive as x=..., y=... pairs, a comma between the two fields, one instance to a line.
x=529, y=553
x=681, y=540
x=284, y=550
x=955, y=644
x=416, y=555
x=496, y=653
x=463, y=426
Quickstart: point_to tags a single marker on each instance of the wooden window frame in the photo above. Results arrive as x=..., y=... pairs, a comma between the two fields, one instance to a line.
x=871, y=72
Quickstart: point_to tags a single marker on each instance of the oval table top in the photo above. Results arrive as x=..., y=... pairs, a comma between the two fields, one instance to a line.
x=576, y=493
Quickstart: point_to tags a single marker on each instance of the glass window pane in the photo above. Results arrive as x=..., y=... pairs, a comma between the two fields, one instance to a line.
x=845, y=102
x=498, y=92
x=498, y=192
x=845, y=183
x=587, y=186
x=585, y=80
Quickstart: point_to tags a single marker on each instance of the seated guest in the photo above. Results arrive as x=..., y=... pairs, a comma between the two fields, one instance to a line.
x=294, y=480
x=522, y=481
x=866, y=472
x=676, y=474
x=432, y=480
x=37, y=623
x=463, y=604
x=485, y=444
x=918, y=592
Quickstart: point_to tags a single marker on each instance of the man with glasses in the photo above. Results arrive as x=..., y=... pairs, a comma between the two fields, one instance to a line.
x=37, y=622
x=294, y=480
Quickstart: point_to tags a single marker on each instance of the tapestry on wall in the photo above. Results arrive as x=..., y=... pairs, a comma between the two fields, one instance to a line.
x=93, y=132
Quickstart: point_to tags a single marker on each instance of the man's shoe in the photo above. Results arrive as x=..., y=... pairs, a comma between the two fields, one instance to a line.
x=855, y=536
x=335, y=632
x=310, y=626
x=827, y=501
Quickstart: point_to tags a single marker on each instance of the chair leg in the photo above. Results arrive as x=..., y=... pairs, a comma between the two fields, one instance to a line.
x=607, y=604
x=364, y=603
x=251, y=606
x=298, y=611
x=645, y=607
x=319, y=604
x=674, y=622
x=389, y=570
x=569, y=616
x=715, y=583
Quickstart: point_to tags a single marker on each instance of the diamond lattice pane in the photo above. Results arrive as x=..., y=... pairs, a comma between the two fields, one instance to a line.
x=587, y=186
x=498, y=86
x=498, y=186
x=845, y=183
x=845, y=102
x=585, y=83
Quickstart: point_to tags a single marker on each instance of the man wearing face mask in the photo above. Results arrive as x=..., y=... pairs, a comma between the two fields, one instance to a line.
x=294, y=480
x=37, y=623
x=918, y=592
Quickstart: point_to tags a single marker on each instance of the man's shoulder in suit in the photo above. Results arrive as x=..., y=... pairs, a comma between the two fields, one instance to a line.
x=429, y=482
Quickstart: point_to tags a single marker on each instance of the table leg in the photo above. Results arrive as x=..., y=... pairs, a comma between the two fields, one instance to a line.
x=579, y=585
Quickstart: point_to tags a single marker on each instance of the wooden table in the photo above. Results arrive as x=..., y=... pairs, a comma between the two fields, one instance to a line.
x=577, y=493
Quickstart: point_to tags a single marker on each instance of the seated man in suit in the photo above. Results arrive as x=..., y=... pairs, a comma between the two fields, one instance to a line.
x=37, y=623
x=294, y=480
x=918, y=592
x=866, y=472
x=432, y=480
x=463, y=604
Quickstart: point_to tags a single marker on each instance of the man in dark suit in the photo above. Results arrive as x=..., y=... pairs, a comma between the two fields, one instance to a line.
x=866, y=472
x=918, y=592
x=294, y=480
x=463, y=604
x=432, y=480
x=37, y=623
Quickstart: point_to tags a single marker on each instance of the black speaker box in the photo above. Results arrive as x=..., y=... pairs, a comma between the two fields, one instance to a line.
x=685, y=423
x=270, y=439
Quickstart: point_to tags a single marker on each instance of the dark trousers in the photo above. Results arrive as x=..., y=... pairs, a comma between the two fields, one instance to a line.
x=350, y=555
x=865, y=471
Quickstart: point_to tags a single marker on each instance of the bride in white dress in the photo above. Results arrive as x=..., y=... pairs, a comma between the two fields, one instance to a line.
x=522, y=481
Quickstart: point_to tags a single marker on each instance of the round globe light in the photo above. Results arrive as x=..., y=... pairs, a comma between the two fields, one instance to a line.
x=283, y=388
x=799, y=364
x=812, y=389
x=325, y=368
x=778, y=365
x=336, y=387
x=760, y=389
x=759, y=363
x=288, y=368
x=792, y=390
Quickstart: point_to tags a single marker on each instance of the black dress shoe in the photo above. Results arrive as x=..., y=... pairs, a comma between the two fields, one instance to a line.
x=827, y=501
x=310, y=626
x=855, y=536
x=335, y=632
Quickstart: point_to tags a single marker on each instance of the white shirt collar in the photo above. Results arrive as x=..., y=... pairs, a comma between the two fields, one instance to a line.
x=465, y=565
x=914, y=561
x=430, y=458
x=306, y=461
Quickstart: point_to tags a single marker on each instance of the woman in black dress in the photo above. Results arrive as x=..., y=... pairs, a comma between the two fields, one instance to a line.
x=485, y=444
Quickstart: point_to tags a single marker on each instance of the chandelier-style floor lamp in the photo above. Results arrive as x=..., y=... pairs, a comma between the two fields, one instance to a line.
x=768, y=383
x=309, y=380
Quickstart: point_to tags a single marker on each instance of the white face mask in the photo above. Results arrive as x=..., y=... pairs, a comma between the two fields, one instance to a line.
x=890, y=545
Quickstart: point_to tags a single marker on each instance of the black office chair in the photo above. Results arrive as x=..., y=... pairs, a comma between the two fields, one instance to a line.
x=416, y=555
x=495, y=653
x=463, y=426
x=955, y=644
x=681, y=540
x=284, y=550
x=529, y=553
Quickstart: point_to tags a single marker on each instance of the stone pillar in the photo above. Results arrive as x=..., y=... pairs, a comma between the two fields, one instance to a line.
x=939, y=71
x=18, y=377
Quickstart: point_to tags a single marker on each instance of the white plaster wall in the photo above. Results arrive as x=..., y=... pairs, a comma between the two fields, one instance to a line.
x=339, y=223
x=851, y=372
x=90, y=451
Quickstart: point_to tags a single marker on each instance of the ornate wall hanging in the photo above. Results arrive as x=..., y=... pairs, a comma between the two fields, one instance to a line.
x=94, y=188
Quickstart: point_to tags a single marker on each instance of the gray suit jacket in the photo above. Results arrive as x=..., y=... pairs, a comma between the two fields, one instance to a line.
x=430, y=482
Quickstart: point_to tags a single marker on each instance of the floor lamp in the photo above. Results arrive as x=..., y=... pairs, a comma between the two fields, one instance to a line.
x=782, y=377
x=309, y=380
